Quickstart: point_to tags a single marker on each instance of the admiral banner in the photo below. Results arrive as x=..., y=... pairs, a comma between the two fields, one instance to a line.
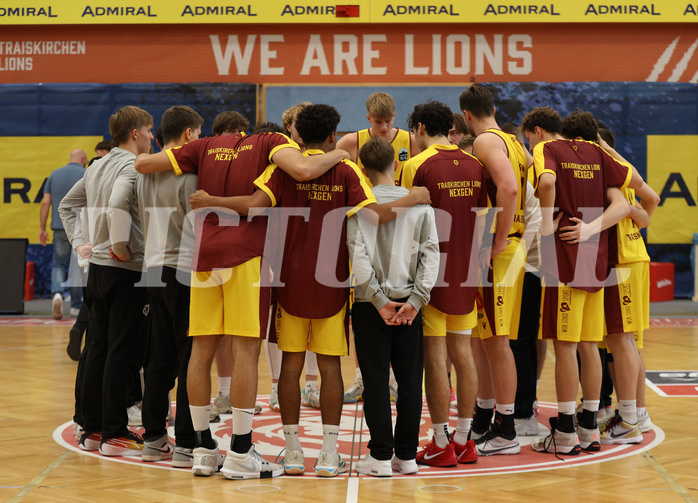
x=25, y=164
x=443, y=54
x=59, y=12
x=672, y=172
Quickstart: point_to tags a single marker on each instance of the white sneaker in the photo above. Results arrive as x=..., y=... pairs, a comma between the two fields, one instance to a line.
x=310, y=396
x=618, y=431
x=329, y=464
x=493, y=442
x=135, y=414
x=221, y=405
x=57, y=307
x=293, y=462
x=74, y=311
x=589, y=438
x=274, y=400
x=372, y=466
x=392, y=385
x=527, y=427
x=205, y=461
x=183, y=457
x=158, y=449
x=405, y=467
x=354, y=392
x=644, y=421
x=249, y=466
x=558, y=442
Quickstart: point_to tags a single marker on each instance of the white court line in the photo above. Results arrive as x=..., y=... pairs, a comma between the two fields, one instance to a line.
x=353, y=489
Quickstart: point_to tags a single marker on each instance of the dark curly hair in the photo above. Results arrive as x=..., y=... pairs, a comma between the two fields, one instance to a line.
x=580, y=124
x=267, y=127
x=543, y=117
x=436, y=117
x=316, y=122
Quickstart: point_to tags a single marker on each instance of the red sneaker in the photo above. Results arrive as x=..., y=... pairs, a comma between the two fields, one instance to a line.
x=466, y=454
x=433, y=455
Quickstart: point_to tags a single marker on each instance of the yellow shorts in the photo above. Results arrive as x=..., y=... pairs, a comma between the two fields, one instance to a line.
x=324, y=336
x=627, y=304
x=436, y=323
x=229, y=301
x=500, y=311
x=569, y=314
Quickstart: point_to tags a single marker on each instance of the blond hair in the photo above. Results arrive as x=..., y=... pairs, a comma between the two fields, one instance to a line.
x=290, y=115
x=380, y=106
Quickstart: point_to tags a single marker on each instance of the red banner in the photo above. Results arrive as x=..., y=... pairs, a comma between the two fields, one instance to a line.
x=355, y=54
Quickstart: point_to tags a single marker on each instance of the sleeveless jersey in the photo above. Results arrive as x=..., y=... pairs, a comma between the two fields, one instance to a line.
x=400, y=143
x=625, y=243
x=517, y=159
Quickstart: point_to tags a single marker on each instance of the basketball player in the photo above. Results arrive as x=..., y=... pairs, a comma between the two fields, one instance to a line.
x=456, y=182
x=505, y=162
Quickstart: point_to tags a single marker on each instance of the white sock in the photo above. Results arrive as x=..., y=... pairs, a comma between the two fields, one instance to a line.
x=628, y=410
x=591, y=405
x=392, y=374
x=440, y=434
x=275, y=387
x=485, y=403
x=308, y=384
x=462, y=430
x=358, y=375
x=330, y=434
x=224, y=385
x=506, y=409
x=242, y=421
x=566, y=407
x=641, y=411
x=291, y=436
x=200, y=416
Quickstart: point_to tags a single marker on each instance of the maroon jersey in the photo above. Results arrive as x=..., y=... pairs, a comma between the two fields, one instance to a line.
x=583, y=171
x=228, y=166
x=456, y=183
x=315, y=263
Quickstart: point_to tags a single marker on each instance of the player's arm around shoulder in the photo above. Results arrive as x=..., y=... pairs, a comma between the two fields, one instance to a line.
x=151, y=163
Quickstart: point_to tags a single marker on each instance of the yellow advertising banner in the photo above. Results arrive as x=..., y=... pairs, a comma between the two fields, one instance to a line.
x=60, y=12
x=25, y=164
x=672, y=172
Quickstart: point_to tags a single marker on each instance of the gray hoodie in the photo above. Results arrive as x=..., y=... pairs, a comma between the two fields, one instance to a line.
x=398, y=259
x=103, y=203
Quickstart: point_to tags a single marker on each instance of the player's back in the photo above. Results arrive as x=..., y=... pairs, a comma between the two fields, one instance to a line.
x=315, y=263
x=456, y=183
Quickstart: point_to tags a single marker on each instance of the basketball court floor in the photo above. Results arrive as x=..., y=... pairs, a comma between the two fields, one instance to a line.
x=41, y=462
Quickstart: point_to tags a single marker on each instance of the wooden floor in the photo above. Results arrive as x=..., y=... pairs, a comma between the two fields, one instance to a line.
x=36, y=396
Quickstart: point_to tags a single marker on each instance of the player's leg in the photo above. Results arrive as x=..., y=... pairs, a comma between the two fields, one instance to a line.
x=460, y=352
x=329, y=339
